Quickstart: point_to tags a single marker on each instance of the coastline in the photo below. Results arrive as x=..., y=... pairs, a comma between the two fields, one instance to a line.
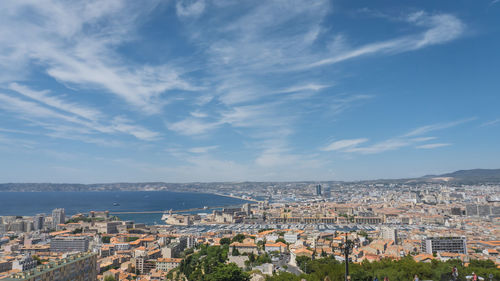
x=131, y=202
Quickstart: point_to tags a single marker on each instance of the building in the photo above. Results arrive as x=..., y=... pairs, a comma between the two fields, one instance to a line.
x=483, y=210
x=80, y=267
x=389, y=233
x=25, y=263
x=291, y=237
x=5, y=265
x=246, y=209
x=69, y=244
x=368, y=220
x=58, y=217
x=245, y=247
x=279, y=247
x=167, y=264
x=444, y=244
x=144, y=266
x=318, y=190
x=174, y=249
x=457, y=211
x=38, y=221
x=110, y=227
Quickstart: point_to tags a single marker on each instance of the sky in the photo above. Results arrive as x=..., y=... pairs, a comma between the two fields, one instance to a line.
x=225, y=90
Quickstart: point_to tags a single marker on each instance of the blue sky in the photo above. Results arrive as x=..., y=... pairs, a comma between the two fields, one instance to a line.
x=223, y=90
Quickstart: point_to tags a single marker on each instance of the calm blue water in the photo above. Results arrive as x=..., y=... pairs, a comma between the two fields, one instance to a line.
x=31, y=203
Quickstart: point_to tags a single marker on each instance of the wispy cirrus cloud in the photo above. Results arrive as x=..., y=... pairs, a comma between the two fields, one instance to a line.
x=414, y=137
x=56, y=102
x=491, y=123
x=76, y=43
x=438, y=126
x=441, y=28
x=202, y=149
x=190, y=8
x=433, y=145
x=192, y=126
x=64, y=118
x=344, y=144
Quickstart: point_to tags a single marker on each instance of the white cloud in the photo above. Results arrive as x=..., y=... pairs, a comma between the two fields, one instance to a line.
x=492, y=122
x=76, y=43
x=383, y=146
x=433, y=145
x=56, y=102
x=192, y=126
x=441, y=28
x=190, y=8
x=339, y=104
x=343, y=144
x=73, y=118
x=435, y=127
x=202, y=149
x=124, y=125
x=394, y=143
x=306, y=87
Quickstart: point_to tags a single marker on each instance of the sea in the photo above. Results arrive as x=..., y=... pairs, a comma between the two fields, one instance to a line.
x=32, y=203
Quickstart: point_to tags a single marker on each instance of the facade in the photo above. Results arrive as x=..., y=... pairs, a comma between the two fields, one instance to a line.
x=5, y=265
x=144, y=266
x=444, y=244
x=80, y=267
x=318, y=190
x=167, y=264
x=25, y=263
x=245, y=247
x=291, y=237
x=246, y=209
x=110, y=227
x=38, y=221
x=368, y=220
x=390, y=233
x=58, y=217
x=279, y=247
x=69, y=244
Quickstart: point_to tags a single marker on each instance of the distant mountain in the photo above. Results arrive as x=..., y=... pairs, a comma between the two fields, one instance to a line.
x=471, y=176
x=468, y=177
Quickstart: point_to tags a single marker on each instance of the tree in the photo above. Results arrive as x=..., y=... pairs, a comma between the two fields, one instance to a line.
x=77, y=231
x=238, y=238
x=227, y=272
x=37, y=258
x=225, y=241
x=235, y=252
x=251, y=257
x=109, y=278
x=105, y=239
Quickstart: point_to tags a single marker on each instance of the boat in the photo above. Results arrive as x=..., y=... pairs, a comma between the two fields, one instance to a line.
x=116, y=204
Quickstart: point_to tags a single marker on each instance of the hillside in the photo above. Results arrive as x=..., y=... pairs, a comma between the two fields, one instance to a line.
x=473, y=176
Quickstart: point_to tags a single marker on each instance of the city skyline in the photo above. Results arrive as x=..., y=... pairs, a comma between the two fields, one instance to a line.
x=186, y=91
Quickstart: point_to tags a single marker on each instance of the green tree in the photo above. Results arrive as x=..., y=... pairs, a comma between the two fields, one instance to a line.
x=38, y=259
x=109, y=278
x=227, y=272
x=238, y=238
x=235, y=252
x=225, y=241
x=77, y=231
